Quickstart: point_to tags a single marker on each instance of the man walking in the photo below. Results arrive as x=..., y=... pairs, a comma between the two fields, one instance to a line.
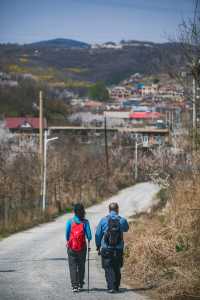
x=77, y=229
x=110, y=244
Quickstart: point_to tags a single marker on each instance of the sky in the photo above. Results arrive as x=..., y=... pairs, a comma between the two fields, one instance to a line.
x=93, y=21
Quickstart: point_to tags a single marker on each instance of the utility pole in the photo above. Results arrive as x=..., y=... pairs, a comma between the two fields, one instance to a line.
x=166, y=118
x=136, y=157
x=194, y=113
x=106, y=145
x=172, y=120
x=194, y=104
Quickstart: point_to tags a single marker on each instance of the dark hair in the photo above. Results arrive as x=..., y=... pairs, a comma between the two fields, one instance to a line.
x=79, y=210
x=113, y=206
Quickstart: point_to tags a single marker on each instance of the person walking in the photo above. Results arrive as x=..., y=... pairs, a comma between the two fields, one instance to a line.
x=77, y=230
x=110, y=245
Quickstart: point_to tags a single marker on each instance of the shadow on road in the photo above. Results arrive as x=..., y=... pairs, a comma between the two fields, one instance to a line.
x=7, y=271
x=123, y=290
x=37, y=259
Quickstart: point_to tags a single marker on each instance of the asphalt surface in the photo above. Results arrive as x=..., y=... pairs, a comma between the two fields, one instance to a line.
x=33, y=263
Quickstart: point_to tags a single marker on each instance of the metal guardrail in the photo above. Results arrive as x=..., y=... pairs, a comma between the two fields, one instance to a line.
x=119, y=129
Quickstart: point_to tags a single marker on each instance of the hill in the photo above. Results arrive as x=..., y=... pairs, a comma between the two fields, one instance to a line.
x=59, y=61
x=59, y=43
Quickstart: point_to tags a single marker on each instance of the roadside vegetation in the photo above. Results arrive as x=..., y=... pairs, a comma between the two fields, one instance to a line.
x=76, y=172
x=163, y=247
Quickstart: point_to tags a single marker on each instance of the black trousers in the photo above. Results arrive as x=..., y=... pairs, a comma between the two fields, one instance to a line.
x=77, y=266
x=112, y=261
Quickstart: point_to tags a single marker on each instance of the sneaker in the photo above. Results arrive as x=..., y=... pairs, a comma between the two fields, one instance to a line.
x=75, y=289
x=81, y=286
x=111, y=291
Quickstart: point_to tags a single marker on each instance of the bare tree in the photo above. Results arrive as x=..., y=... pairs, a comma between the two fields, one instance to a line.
x=188, y=41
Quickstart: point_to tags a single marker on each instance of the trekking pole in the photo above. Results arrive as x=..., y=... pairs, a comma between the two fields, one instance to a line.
x=66, y=267
x=88, y=266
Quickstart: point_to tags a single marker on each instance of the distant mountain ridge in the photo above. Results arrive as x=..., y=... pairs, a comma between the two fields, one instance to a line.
x=59, y=43
x=67, y=61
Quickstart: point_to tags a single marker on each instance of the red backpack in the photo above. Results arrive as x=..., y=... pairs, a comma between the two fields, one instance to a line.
x=77, y=237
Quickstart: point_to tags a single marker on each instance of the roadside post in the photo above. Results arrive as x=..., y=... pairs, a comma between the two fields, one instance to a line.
x=136, y=155
x=46, y=141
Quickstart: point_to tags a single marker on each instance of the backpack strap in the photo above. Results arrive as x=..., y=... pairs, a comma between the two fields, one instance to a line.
x=109, y=217
x=84, y=221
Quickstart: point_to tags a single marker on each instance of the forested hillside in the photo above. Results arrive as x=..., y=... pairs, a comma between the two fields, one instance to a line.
x=77, y=66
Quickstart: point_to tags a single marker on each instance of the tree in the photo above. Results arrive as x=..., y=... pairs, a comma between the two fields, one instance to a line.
x=188, y=41
x=156, y=80
x=99, y=92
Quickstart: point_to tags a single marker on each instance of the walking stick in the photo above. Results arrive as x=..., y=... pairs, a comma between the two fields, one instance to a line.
x=88, y=266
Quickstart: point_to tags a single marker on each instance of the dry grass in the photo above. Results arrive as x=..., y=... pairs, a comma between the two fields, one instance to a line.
x=75, y=172
x=164, y=248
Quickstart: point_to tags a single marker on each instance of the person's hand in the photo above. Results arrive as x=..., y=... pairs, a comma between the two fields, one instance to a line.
x=98, y=250
x=89, y=248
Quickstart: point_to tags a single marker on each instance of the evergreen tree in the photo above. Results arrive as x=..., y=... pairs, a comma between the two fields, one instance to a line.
x=99, y=92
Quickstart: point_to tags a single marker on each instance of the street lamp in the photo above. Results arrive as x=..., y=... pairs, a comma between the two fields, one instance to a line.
x=46, y=141
x=136, y=155
x=106, y=144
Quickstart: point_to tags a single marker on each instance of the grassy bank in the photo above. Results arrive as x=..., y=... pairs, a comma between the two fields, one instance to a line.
x=163, y=247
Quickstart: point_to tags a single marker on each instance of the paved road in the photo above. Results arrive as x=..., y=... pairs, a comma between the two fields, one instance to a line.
x=33, y=263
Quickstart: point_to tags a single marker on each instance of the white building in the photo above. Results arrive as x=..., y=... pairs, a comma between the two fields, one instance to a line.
x=120, y=93
x=117, y=118
x=150, y=90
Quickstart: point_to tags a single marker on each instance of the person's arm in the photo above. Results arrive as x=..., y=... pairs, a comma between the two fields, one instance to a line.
x=99, y=235
x=124, y=225
x=88, y=231
x=68, y=230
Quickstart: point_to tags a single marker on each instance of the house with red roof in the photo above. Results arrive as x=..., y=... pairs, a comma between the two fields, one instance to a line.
x=24, y=124
x=144, y=118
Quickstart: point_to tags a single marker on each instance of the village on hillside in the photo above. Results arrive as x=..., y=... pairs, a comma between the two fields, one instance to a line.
x=151, y=108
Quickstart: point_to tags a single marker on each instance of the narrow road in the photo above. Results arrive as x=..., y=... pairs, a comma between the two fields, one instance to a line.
x=33, y=263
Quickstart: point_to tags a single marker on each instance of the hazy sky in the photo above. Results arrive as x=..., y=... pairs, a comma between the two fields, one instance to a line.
x=25, y=21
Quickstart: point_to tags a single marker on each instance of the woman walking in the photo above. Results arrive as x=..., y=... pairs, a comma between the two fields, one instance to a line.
x=77, y=230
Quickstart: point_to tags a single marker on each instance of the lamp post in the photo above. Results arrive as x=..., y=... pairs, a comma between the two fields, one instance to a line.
x=136, y=155
x=106, y=145
x=46, y=141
